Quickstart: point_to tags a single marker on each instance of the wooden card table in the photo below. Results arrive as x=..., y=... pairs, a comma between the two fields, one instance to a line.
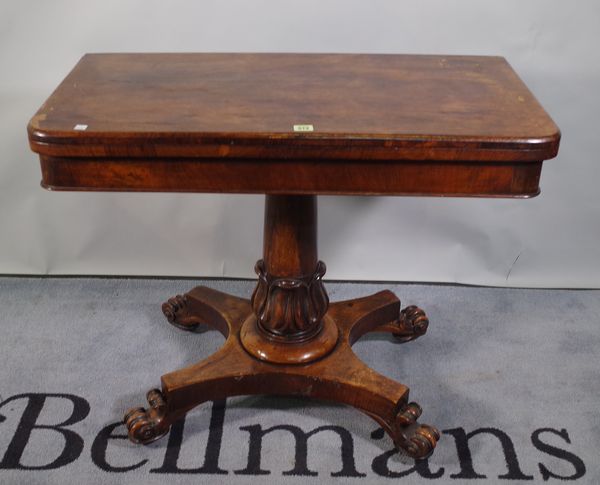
x=292, y=126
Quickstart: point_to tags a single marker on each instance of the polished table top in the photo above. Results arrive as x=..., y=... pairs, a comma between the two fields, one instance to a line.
x=294, y=123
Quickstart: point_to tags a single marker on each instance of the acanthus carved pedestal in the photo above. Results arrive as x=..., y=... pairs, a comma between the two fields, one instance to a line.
x=288, y=339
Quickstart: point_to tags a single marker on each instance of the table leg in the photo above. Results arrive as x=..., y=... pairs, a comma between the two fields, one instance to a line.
x=289, y=340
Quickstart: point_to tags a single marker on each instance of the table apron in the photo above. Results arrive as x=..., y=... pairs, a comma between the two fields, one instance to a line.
x=352, y=177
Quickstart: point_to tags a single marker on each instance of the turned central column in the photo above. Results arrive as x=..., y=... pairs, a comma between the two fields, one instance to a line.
x=290, y=235
x=289, y=301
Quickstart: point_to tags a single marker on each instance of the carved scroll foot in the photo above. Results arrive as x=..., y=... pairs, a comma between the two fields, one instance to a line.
x=411, y=323
x=416, y=440
x=203, y=305
x=147, y=425
x=177, y=312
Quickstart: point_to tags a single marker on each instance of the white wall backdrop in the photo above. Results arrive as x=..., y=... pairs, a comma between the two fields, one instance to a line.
x=549, y=241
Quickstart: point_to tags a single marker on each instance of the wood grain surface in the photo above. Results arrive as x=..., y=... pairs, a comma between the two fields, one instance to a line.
x=187, y=117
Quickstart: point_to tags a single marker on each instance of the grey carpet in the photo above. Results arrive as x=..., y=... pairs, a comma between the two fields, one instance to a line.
x=519, y=369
